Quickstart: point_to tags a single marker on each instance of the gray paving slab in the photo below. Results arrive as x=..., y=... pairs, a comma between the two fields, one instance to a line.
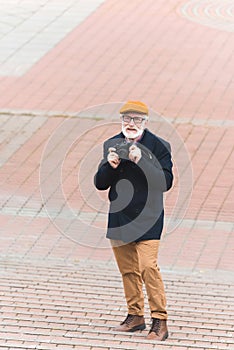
x=30, y=29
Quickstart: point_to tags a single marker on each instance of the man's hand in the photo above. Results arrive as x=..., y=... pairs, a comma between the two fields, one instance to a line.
x=134, y=154
x=113, y=158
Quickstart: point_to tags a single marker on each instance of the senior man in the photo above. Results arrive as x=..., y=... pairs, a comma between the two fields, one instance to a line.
x=137, y=169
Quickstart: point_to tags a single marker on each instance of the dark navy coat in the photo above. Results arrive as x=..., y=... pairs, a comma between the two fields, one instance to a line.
x=136, y=210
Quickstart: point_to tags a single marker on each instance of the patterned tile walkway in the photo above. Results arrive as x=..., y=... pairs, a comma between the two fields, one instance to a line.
x=65, y=67
x=143, y=50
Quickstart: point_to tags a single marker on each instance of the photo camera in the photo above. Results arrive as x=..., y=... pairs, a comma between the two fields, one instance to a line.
x=122, y=149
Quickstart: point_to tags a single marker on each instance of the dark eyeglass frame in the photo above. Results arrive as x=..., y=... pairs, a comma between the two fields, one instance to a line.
x=136, y=120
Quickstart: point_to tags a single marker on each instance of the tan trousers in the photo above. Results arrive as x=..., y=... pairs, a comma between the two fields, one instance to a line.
x=137, y=263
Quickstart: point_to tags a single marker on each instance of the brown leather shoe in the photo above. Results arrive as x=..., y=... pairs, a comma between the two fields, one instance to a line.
x=158, y=330
x=131, y=323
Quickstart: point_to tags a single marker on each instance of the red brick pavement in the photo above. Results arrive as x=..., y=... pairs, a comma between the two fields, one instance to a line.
x=203, y=238
x=142, y=50
x=65, y=306
x=183, y=70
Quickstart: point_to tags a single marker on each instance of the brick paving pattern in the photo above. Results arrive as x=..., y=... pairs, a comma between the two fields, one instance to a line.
x=65, y=67
x=54, y=306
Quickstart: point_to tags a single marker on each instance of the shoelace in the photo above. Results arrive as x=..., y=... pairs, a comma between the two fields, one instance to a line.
x=128, y=319
x=155, y=326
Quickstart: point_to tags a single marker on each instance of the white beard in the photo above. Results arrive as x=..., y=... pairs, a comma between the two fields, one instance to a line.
x=132, y=135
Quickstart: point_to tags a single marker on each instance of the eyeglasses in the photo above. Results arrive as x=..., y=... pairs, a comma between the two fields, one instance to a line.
x=136, y=120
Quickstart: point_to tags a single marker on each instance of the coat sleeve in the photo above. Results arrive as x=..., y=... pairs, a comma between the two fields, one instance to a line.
x=105, y=175
x=157, y=167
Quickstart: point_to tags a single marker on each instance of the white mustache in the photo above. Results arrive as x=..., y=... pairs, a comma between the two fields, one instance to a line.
x=127, y=133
